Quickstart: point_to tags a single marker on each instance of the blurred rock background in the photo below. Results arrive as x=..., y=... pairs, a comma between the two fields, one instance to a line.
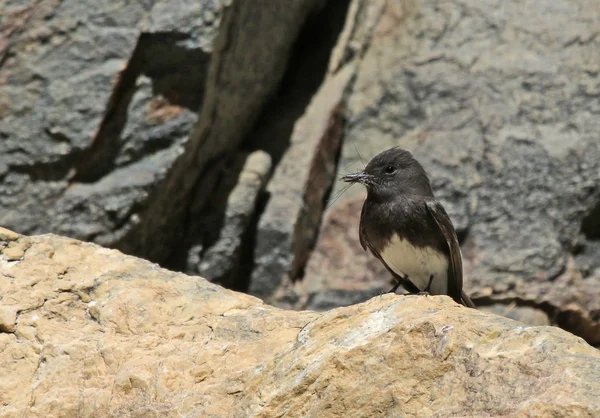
x=207, y=136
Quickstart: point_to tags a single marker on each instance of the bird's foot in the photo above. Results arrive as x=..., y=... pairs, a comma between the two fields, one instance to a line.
x=393, y=289
x=423, y=293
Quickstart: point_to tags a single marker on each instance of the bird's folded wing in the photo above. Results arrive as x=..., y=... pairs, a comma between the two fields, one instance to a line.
x=441, y=218
x=365, y=244
x=361, y=231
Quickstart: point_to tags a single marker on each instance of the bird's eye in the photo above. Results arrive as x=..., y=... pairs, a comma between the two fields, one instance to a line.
x=390, y=169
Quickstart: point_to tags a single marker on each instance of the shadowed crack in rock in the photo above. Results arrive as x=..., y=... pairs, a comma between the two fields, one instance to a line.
x=590, y=224
x=207, y=226
x=216, y=230
x=248, y=61
x=178, y=74
x=570, y=317
x=308, y=113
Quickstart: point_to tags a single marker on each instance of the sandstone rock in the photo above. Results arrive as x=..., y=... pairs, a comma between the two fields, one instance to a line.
x=6, y=235
x=496, y=100
x=98, y=333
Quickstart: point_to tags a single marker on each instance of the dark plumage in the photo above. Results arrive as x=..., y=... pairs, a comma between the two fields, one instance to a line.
x=406, y=228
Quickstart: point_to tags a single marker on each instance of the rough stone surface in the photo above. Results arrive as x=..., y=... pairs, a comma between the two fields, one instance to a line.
x=96, y=99
x=498, y=100
x=99, y=101
x=290, y=221
x=218, y=259
x=248, y=61
x=86, y=331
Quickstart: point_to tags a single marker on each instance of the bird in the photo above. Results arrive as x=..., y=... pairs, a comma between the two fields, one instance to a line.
x=407, y=229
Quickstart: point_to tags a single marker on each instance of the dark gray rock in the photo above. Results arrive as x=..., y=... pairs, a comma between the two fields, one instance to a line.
x=334, y=298
x=289, y=224
x=525, y=314
x=499, y=103
x=247, y=63
x=98, y=101
x=244, y=179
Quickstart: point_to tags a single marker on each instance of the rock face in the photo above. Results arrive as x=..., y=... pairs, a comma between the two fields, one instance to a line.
x=290, y=221
x=86, y=331
x=129, y=123
x=96, y=99
x=224, y=254
x=100, y=135
x=499, y=102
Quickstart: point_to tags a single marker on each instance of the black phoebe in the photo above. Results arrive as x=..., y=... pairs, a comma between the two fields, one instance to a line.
x=407, y=229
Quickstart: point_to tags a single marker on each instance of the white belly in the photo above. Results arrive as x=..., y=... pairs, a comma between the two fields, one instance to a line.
x=417, y=264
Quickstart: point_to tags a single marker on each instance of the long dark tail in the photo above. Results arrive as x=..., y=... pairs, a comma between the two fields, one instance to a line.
x=465, y=300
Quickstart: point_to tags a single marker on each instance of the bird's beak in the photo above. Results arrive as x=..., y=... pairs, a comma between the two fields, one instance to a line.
x=361, y=177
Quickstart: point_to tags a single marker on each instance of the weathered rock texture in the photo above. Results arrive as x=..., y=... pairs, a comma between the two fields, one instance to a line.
x=100, y=136
x=297, y=193
x=96, y=99
x=499, y=101
x=127, y=124
x=221, y=257
x=248, y=62
x=86, y=331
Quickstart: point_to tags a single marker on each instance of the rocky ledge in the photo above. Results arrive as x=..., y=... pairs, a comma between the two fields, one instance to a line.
x=86, y=331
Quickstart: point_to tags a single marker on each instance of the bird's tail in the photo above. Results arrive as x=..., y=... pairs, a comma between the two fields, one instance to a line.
x=465, y=300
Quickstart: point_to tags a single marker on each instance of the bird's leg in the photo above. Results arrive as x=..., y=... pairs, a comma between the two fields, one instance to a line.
x=425, y=292
x=396, y=286
x=429, y=283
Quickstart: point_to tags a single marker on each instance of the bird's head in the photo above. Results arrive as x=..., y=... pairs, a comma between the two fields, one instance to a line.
x=393, y=172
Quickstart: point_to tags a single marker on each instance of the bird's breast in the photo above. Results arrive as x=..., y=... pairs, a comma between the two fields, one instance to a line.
x=417, y=263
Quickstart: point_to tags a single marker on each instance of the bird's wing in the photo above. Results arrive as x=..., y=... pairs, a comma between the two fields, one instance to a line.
x=441, y=218
x=361, y=231
x=365, y=244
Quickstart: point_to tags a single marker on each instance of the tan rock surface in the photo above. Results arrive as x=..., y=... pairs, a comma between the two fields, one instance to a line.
x=89, y=332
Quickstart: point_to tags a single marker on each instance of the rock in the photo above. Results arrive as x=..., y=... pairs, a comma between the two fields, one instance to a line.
x=115, y=102
x=7, y=235
x=8, y=319
x=96, y=101
x=289, y=224
x=12, y=245
x=523, y=314
x=13, y=252
x=503, y=119
x=336, y=364
x=100, y=333
x=246, y=178
x=308, y=116
x=117, y=118
x=248, y=60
